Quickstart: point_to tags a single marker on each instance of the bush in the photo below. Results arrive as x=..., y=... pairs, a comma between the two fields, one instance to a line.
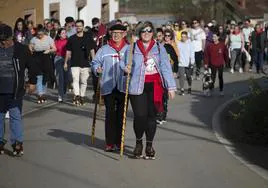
x=252, y=116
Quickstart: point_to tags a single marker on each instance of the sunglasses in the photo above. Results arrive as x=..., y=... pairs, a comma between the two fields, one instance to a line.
x=146, y=31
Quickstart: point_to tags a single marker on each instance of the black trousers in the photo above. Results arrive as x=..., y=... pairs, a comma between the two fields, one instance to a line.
x=214, y=71
x=144, y=113
x=198, y=61
x=114, y=104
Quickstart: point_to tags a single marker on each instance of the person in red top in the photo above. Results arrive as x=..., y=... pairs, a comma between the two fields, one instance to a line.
x=216, y=55
x=61, y=74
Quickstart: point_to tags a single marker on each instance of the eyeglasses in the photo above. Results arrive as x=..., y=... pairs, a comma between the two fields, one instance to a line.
x=146, y=31
x=167, y=35
x=117, y=33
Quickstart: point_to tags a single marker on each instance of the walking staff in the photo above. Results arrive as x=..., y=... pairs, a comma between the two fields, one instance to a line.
x=93, y=129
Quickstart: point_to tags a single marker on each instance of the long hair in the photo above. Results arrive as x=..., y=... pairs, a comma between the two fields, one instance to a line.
x=24, y=27
x=59, y=32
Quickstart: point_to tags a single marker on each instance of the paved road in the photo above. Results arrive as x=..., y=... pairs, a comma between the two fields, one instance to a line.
x=58, y=152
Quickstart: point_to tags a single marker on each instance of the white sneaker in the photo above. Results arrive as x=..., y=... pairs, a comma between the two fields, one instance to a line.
x=7, y=115
x=60, y=99
x=232, y=71
x=222, y=93
x=240, y=70
x=159, y=122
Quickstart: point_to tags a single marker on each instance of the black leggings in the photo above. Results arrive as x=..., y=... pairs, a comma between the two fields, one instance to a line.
x=220, y=75
x=144, y=113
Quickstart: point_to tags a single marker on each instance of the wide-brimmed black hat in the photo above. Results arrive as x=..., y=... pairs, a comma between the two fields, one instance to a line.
x=5, y=32
x=118, y=27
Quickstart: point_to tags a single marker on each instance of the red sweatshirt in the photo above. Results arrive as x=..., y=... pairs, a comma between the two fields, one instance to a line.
x=216, y=54
x=61, y=47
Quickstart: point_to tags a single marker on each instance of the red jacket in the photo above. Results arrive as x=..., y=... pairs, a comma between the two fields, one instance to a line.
x=216, y=54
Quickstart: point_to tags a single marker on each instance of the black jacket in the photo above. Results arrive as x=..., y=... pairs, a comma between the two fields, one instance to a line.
x=254, y=41
x=22, y=59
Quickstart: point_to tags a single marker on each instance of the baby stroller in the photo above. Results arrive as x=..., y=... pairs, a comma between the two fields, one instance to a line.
x=207, y=82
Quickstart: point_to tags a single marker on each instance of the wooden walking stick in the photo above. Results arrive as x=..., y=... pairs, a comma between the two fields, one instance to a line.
x=129, y=65
x=93, y=128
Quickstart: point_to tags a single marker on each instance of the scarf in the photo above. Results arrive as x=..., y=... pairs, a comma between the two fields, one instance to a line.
x=112, y=43
x=117, y=48
x=144, y=51
x=158, y=90
x=236, y=33
x=258, y=32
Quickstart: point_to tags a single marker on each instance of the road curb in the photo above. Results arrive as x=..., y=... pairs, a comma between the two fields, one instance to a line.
x=216, y=126
x=38, y=109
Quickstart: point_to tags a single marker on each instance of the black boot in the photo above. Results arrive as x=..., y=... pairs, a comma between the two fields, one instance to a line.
x=17, y=149
x=150, y=152
x=138, y=149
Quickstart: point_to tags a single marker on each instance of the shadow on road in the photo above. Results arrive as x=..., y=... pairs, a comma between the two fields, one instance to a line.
x=85, y=140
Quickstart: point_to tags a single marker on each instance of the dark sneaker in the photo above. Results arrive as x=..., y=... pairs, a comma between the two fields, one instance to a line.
x=76, y=100
x=2, y=148
x=138, y=151
x=82, y=101
x=109, y=148
x=150, y=153
x=181, y=92
x=44, y=99
x=17, y=149
x=39, y=100
x=189, y=91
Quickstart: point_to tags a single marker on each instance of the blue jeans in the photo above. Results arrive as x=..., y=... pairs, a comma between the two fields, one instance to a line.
x=14, y=106
x=41, y=87
x=258, y=60
x=61, y=75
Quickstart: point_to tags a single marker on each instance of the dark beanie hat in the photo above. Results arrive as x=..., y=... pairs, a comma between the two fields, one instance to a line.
x=118, y=27
x=69, y=19
x=5, y=32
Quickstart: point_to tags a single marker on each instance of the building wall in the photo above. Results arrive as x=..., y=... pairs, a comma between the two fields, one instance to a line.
x=13, y=9
x=114, y=8
x=67, y=8
x=93, y=10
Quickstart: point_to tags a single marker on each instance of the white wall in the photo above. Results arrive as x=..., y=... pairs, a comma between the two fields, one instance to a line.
x=67, y=8
x=114, y=8
x=93, y=9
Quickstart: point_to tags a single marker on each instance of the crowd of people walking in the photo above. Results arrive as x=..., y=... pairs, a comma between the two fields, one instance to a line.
x=51, y=54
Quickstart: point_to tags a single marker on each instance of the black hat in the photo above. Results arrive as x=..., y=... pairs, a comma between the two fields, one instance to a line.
x=5, y=32
x=118, y=27
x=69, y=19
